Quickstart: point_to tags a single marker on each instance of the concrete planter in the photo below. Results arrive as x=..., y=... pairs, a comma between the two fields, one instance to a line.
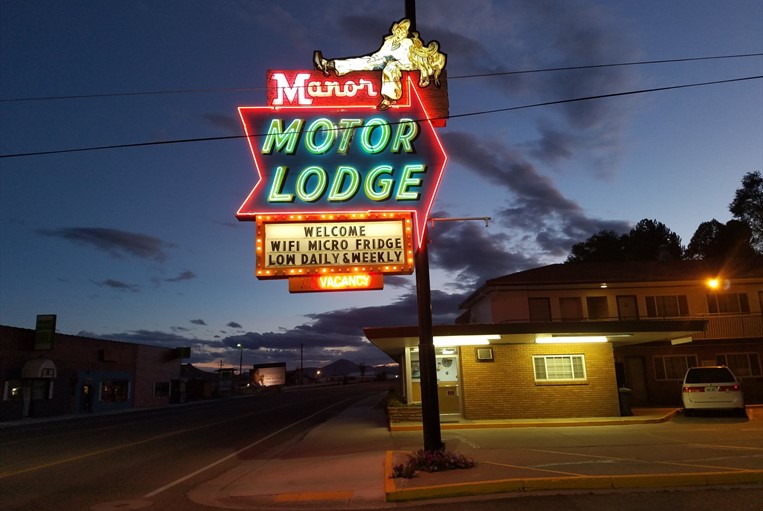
x=399, y=414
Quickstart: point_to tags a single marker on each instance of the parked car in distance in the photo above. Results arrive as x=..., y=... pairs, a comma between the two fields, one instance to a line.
x=711, y=388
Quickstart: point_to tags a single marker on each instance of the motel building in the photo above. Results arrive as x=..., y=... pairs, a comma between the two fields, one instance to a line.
x=568, y=340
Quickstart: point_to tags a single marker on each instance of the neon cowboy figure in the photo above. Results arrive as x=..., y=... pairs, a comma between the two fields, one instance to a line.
x=401, y=50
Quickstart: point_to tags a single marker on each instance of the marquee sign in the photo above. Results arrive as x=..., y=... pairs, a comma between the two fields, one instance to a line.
x=331, y=243
x=343, y=142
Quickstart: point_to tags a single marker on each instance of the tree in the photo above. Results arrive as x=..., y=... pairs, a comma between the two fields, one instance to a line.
x=651, y=240
x=714, y=240
x=747, y=206
x=603, y=246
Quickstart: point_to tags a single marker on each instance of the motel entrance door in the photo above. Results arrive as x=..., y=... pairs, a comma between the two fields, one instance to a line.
x=448, y=391
x=448, y=381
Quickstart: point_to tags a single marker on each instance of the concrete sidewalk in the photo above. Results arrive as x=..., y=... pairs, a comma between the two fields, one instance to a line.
x=346, y=462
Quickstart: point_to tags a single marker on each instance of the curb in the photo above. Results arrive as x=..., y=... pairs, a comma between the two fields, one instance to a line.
x=393, y=494
x=551, y=423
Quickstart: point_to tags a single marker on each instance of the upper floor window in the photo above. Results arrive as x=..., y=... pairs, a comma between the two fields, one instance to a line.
x=540, y=309
x=728, y=303
x=571, y=308
x=667, y=306
x=597, y=307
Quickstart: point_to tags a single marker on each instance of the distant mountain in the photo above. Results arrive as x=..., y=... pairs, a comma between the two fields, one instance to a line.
x=190, y=372
x=341, y=367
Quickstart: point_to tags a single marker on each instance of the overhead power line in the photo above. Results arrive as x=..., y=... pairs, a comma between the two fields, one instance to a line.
x=455, y=116
x=598, y=66
x=456, y=77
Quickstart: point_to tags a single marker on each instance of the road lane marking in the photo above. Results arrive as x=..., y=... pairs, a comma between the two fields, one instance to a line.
x=34, y=468
x=613, y=459
x=234, y=454
x=89, y=454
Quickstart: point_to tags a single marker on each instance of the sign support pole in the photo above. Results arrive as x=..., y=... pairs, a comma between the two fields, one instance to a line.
x=430, y=406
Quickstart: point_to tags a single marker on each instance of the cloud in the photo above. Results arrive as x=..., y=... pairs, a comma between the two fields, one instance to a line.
x=323, y=337
x=543, y=222
x=565, y=34
x=233, y=324
x=118, y=285
x=154, y=337
x=115, y=242
x=186, y=275
x=473, y=253
x=228, y=123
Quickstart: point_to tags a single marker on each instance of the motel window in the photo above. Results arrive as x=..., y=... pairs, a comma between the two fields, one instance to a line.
x=571, y=308
x=673, y=367
x=597, y=307
x=669, y=306
x=552, y=368
x=12, y=390
x=115, y=391
x=540, y=309
x=162, y=389
x=728, y=303
x=741, y=364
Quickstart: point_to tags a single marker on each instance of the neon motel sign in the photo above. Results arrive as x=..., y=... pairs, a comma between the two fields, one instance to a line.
x=343, y=189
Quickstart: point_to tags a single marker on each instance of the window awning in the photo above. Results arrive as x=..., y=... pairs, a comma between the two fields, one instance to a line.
x=39, y=368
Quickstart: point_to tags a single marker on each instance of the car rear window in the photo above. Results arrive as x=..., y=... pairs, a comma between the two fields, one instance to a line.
x=709, y=375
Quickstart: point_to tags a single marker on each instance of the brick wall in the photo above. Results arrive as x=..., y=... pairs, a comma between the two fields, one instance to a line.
x=506, y=387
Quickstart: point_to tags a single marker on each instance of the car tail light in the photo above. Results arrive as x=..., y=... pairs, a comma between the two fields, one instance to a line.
x=694, y=389
x=729, y=388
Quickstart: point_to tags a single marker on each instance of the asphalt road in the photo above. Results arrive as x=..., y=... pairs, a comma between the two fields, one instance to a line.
x=153, y=459
x=150, y=459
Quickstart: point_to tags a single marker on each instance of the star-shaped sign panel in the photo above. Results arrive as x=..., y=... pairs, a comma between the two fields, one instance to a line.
x=312, y=161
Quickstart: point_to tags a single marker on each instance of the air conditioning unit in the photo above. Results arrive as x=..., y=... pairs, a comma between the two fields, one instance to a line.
x=484, y=354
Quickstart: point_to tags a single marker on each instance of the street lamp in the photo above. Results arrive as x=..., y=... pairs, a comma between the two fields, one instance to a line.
x=240, y=360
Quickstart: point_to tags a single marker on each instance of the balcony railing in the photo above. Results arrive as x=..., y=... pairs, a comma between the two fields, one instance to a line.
x=731, y=326
x=719, y=326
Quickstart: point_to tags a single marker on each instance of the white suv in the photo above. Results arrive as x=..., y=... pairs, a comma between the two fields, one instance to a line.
x=711, y=388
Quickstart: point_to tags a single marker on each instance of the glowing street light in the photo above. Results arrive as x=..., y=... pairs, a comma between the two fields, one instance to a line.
x=240, y=358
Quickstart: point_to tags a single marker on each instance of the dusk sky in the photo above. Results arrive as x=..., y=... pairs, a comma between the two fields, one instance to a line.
x=141, y=244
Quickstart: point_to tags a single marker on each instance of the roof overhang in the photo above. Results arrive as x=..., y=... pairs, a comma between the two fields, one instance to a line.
x=394, y=340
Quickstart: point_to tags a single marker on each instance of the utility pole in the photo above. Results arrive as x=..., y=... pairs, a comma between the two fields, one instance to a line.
x=240, y=363
x=410, y=13
x=430, y=403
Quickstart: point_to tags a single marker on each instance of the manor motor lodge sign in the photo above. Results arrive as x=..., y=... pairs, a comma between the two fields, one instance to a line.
x=347, y=170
